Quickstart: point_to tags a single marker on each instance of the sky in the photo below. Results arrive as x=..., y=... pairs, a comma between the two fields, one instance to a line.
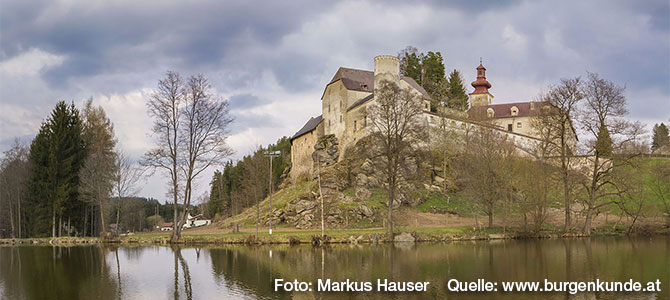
x=272, y=59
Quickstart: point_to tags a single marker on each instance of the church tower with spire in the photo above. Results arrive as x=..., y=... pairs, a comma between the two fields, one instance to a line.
x=481, y=96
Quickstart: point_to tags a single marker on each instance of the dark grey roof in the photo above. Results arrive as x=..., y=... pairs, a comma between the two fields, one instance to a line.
x=359, y=102
x=309, y=126
x=361, y=80
x=415, y=85
x=354, y=79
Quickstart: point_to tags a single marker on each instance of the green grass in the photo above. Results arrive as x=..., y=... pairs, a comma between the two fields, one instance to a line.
x=280, y=200
x=644, y=171
x=378, y=199
x=283, y=197
x=432, y=200
x=340, y=235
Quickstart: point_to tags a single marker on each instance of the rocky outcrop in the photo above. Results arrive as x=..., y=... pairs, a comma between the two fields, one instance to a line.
x=404, y=238
x=326, y=151
x=305, y=212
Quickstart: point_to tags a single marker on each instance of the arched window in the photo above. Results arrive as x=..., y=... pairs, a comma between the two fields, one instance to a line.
x=514, y=111
x=490, y=113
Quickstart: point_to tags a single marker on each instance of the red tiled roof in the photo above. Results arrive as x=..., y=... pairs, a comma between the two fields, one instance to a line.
x=481, y=85
x=505, y=110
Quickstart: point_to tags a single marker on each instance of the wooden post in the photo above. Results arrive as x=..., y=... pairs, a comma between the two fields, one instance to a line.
x=318, y=167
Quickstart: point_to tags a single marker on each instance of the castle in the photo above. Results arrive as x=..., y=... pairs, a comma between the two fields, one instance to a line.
x=347, y=95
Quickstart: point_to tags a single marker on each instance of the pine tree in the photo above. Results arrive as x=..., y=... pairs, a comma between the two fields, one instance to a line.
x=458, y=99
x=604, y=142
x=39, y=197
x=216, y=193
x=410, y=63
x=660, y=137
x=433, y=67
x=57, y=154
x=428, y=71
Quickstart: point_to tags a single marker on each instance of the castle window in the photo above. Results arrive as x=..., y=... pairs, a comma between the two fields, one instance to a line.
x=354, y=125
x=340, y=118
x=490, y=113
x=514, y=111
x=328, y=107
x=509, y=127
x=518, y=124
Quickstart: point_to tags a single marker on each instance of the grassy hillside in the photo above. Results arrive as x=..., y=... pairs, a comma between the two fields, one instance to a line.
x=429, y=201
x=280, y=199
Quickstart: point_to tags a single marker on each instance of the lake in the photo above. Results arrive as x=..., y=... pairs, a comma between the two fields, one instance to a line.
x=244, y=272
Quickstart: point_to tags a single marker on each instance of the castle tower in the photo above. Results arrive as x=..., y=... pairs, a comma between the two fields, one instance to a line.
x=481, y=96
x=387, y=67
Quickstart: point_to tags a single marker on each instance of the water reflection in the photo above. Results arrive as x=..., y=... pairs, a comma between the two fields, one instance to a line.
x=56, y=273
x=234, y=272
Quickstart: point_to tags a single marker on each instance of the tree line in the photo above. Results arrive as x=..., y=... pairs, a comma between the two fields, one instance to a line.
x=246, y=182
x=73, y=180
x=62, y=183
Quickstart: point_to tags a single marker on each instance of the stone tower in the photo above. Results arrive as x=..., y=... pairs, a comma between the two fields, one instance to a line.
x=387, y=67
x=481, y=96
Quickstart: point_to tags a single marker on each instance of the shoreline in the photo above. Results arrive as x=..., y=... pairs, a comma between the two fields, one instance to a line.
x=341, y=236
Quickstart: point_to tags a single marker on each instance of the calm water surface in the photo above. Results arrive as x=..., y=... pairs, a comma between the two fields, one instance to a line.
x=241, y=272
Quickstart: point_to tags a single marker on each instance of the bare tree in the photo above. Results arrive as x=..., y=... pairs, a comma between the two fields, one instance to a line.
x=14, y=176
x=126, y=178
x=632, y=189
x=601, y=118
x=191, y=126
x=554, y=125
x=206, y=125
x=484, y=170
x=533, y=190
x=256, y=172
x=397, y=127
x=445, y=143
x=165, y=106
x=660, y=187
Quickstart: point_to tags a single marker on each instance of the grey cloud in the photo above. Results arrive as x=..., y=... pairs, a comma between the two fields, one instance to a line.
x=188, y=36
x=244, y=101
x=253, y=120
x=472, y=7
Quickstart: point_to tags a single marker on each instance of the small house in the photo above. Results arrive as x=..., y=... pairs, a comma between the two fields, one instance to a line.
x=167, y=226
